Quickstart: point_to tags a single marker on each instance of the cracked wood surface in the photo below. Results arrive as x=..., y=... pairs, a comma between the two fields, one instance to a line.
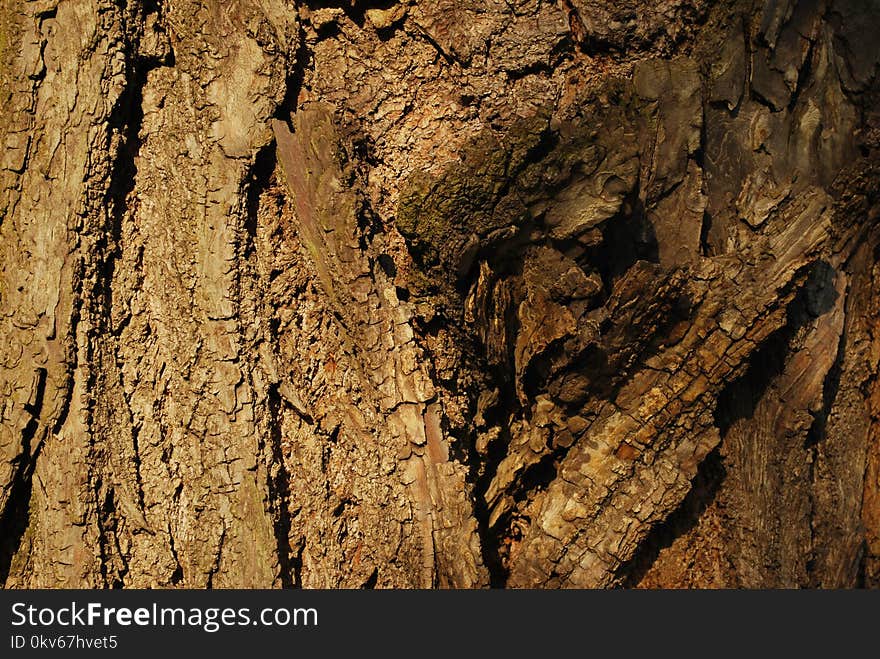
x=439, y=294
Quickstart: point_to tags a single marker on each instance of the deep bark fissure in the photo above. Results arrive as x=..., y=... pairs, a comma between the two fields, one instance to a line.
x=705, y=486
x=258, y=181
x=125, y=121
x=803, y=76
x=293, y=82
x=490, y=536
x=279, y=492
x=177, y=575
x=626, y=238
x=739, y=399
x=103, y=516
x=16, y=518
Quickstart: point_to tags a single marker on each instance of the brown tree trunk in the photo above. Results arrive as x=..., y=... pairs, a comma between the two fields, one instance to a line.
x=428, y=293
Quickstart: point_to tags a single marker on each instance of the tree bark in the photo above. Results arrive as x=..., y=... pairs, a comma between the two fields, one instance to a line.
x=440, y=294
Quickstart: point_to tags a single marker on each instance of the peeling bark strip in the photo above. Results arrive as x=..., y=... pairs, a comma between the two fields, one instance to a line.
x=440, y=294
x=377, y=331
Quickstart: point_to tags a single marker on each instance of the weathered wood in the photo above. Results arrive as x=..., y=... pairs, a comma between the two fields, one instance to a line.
x=439, y=294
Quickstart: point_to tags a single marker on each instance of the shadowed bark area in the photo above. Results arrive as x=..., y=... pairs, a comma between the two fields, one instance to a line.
x=433, y=293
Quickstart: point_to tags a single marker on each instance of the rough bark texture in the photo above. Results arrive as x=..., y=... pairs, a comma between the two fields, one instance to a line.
x=432, y=293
